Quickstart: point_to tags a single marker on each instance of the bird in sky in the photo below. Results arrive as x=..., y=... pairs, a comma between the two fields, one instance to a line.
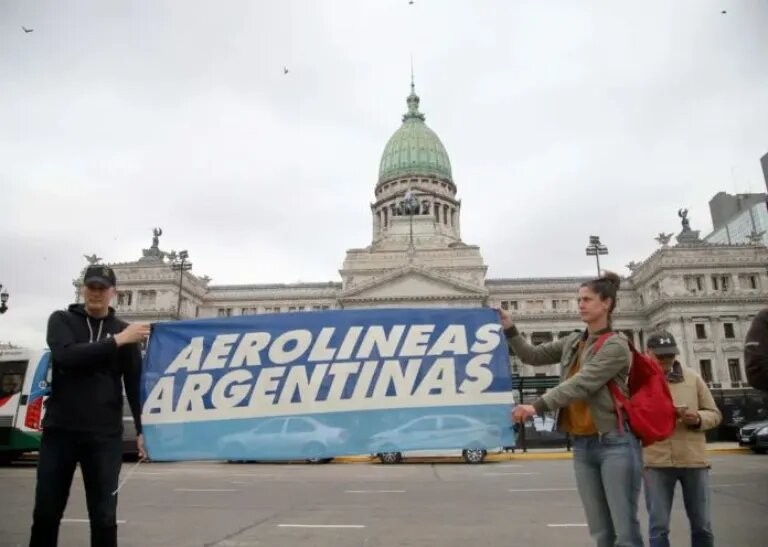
x=285, y=70
x=27, y=30
x=410, y=2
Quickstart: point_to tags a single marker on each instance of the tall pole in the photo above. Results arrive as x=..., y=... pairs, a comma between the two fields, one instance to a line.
x=595, y=248
x=409, y=205
x=182, y=265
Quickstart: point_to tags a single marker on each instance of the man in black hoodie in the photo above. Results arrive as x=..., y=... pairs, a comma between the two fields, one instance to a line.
x=91, y=352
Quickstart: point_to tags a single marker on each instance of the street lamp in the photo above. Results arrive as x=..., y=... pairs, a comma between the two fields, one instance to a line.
x=181, y=265
x=596, y=249
x=3, y=299
x=410, y=206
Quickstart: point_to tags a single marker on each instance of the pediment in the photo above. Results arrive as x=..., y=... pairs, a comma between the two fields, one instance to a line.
x=414, y=283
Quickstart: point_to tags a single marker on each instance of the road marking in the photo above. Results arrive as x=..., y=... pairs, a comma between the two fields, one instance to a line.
x=321, y=526
x=507, y=473
x=579, y=525
x=542, y=489
x=204, y=490
x=374, y=491
x=253, y=475
x=84, y=521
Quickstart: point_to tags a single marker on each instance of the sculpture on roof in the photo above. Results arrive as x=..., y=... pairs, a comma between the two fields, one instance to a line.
x=92, y=259
x=663, y=238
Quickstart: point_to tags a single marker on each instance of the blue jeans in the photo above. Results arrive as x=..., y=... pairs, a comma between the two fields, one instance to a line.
x=608, y=474
x=659, y=491
x=100, y=458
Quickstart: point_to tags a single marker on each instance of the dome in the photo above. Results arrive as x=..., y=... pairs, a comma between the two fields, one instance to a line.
x=414, y=149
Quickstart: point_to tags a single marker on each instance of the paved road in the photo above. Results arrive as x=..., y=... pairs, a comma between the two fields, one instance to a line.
x=526, y=503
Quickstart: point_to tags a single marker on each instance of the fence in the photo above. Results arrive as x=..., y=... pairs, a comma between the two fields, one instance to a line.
x=739, y=406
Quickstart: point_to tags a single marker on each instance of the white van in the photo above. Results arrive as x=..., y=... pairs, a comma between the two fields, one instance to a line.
x=23, y=389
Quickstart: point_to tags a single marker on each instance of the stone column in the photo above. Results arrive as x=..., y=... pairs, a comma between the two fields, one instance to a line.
x=720, y=364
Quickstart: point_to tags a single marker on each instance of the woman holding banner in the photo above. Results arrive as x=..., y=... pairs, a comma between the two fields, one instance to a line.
x=607, y=461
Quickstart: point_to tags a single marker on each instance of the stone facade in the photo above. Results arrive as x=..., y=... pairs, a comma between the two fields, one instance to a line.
x=705, y=294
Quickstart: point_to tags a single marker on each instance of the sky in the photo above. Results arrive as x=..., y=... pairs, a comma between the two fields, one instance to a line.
x=562, y=119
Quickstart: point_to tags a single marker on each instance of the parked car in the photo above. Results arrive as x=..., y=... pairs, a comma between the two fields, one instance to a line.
x=275, y=437
x=437, y=435
x=129, y=432
x=755, y=436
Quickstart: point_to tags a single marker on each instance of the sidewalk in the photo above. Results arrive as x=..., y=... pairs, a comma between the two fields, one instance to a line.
x=534, y=454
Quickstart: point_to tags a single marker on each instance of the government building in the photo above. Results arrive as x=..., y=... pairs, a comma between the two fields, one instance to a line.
x=704, y=292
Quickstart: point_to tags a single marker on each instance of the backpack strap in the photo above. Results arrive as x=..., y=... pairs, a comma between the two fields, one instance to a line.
x=601, y=340
x=618, y=396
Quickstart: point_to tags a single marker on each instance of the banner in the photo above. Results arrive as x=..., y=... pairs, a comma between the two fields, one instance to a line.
x=314, y=385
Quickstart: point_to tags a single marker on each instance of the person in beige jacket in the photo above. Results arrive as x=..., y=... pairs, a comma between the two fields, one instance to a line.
x=683, y=456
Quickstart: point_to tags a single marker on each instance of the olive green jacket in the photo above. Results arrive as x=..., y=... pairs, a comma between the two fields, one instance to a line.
x=590, y=382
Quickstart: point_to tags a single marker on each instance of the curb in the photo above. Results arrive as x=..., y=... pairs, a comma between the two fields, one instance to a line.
x=507, y=457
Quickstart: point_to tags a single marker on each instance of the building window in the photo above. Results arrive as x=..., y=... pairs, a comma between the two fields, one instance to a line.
x=752, y=281
x=504, y=305
x=720, y=283
x=316, y=308
x=734, y=370
x=225, y=312
x=535, y=305
x=561, y=304
x=147, y=299
x=694, y=283
x=701, y=331
x=124, y=298
x=705, y=365
x=325, y=307
x=728, y=329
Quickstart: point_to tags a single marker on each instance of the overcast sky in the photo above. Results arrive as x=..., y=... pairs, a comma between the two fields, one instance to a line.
x=561, y=118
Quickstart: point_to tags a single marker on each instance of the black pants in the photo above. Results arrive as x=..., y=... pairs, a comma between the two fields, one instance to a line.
x=100, y=458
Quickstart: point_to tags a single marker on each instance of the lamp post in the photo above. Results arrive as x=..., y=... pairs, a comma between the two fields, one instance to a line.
x=596, y=249
x=181, y=265
x=3, y=299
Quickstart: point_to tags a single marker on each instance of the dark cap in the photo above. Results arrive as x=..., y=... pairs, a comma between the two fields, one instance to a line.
x=103, y=275
x=662, y=343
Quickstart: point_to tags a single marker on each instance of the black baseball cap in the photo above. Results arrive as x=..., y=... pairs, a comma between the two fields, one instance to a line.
x=102, y=275
x=662, y=343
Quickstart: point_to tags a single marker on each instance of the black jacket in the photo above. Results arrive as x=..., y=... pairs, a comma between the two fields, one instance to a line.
x=756, y=351
x=87, y=369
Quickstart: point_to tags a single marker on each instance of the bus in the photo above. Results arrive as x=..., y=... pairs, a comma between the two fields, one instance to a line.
x=24, y=385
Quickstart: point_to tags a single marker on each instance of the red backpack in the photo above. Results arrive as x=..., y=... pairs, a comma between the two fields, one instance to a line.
x=649, y=408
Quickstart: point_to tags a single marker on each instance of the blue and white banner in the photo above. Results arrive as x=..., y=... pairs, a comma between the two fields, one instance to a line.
x=321, y=384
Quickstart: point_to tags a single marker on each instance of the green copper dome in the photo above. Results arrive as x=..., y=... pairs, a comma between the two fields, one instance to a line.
x=414, y=149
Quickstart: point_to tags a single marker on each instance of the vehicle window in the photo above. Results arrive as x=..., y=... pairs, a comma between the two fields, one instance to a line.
x=10, y=384
x=272, y=426
x=297, y=425
x=455, y=422
x=424, y=424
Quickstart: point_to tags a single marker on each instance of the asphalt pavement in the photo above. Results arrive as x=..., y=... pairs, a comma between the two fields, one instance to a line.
x=525, y=502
